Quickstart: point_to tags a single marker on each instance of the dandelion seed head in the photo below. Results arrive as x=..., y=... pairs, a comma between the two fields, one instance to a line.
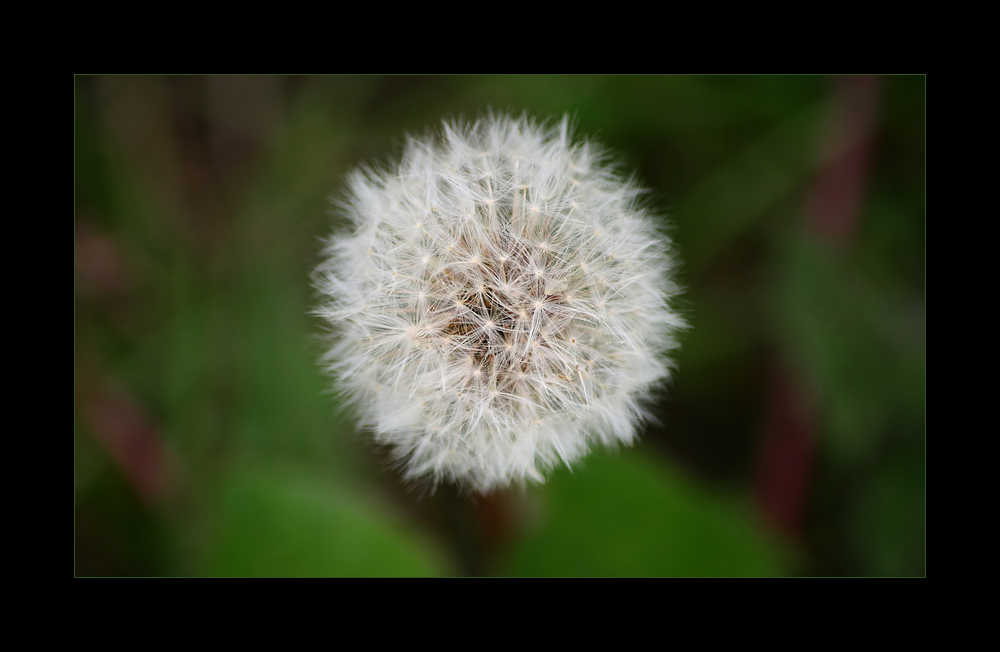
x=485, y=326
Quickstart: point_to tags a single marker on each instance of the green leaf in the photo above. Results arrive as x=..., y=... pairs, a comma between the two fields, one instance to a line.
x=278, y=525
x=626, y=515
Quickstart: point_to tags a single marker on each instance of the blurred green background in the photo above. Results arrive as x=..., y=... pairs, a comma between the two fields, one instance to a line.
x=791, y=441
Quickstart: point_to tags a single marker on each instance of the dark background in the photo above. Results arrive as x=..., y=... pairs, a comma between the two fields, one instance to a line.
x=791, y=441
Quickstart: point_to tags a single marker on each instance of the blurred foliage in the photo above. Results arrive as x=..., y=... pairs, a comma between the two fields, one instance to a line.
x=863, y=343
x=200, y=205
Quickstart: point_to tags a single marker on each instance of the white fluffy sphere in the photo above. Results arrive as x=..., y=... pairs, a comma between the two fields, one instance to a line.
x=501, y=302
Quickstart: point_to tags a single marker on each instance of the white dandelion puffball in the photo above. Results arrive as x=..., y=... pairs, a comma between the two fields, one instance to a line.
x=501, y=302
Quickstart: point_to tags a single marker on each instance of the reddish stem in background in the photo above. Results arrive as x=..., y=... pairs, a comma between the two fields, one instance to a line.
x=832, y=213
x=785, y=456
x=131, y=439
x=833, y=204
